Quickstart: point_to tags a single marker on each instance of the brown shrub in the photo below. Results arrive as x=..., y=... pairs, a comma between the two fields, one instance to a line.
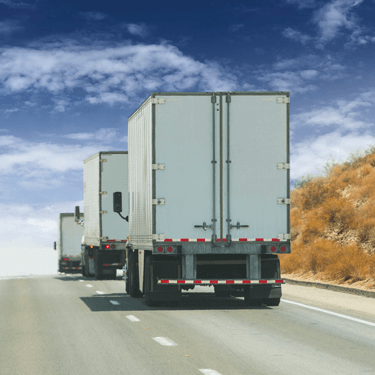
x=338, y=213
x=314, y=226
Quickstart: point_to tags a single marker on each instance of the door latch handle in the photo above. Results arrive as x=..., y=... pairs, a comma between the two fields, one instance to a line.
x=204, y=226
x=238, y=226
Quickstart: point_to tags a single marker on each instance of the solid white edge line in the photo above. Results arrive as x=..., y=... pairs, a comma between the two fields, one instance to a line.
x=99, y=292
x=330, y=312
x=132, y=318
x=164, y=341
x=208, y=371
x=89, y=285
x=114, y=302
x=81, y=281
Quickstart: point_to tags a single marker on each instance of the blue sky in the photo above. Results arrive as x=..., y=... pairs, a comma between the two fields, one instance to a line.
x=72, y=72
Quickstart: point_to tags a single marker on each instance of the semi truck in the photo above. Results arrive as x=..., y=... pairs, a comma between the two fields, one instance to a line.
x=105, y=237
x=68, y=243
x=209, y=199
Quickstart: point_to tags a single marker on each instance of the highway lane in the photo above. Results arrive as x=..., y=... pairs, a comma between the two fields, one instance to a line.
x=70, y=324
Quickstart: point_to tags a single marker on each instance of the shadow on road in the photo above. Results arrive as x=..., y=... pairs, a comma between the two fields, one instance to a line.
x=190, y=301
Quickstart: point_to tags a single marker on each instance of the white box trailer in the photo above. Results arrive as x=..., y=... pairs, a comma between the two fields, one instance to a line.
x=105, y=234
x=209, y=194
x=68, y=243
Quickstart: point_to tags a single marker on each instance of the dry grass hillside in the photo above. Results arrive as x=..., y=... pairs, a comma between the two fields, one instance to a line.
x=333, y=225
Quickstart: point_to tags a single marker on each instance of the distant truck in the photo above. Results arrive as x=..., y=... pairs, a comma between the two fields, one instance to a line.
x=105, y=237
x=209, y=195
x=68, y=243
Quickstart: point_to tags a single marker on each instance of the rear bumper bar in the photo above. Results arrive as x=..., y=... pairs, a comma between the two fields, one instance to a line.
x=216, y=282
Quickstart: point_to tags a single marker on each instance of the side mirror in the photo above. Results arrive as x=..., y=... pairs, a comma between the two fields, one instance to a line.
x=117, y=201
x=54, y=245
x=77, y=214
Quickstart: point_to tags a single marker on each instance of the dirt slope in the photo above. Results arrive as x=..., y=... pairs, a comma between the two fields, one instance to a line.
x=333, y=225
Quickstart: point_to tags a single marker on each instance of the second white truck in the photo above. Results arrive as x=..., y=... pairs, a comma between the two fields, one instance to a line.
x=105, y=236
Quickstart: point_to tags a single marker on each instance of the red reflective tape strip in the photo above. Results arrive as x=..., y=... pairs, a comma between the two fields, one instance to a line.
x=168, y=240
x=91, y=257
x=105, y=264
x=229, y=282
x=111, y=240
x=197, y=281
x=124, y=240
x=279, y=281
x=184, y=240
x=259, y=239
x=213, y=282
x=246, y=281
x=243, y=239
x=164, y=281
x=275, y=239
x=180, y=281
x=262, y=281
x=201, y=239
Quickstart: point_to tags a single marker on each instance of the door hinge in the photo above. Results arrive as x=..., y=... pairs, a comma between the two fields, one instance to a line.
x=159, y=201
x=157, y=101
x=284, y=100
x=283, y=237
x=283, y=166
x=103, y=192
x=102, y=160
x=283, y=201
x=158, y=237
x=103, y=212
x=159, y=167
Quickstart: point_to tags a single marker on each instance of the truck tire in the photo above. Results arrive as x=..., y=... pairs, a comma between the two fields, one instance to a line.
x=148, y=281
x=98, y=266
x=221, y=292
x=249, y=301
x=133, y=275
x=86, y=255
x=272, y=302
x=83, y=271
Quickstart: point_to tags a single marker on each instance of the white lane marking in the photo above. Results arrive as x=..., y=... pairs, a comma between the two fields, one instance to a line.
x=99, y=292
x=331, y=313
x=114, y=302
x=164, y=341
x=132, y=318
x=89, y=285
x=208, y=371
x=81, y=281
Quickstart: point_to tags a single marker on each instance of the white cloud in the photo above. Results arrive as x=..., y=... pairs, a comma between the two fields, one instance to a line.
x=107, y=74
x=8, y=27
x=18, y=3
x=236, y=27
x=27, y=235
x=137, y=29
x=11, y=110
x=344, y=114
x=44, y=163
x=303, y=3
x=104, y=135
x=93, y=16
x=296, y=35
x=311, y=155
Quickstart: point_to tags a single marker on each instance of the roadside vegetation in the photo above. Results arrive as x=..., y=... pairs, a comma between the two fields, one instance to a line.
x=333, y=223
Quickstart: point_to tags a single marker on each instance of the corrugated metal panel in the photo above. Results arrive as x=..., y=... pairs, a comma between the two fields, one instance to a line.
x=91, y=175
x=114, y=177
x=71, y=236
x=140, y=176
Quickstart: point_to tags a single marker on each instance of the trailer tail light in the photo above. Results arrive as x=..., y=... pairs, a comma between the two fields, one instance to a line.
x=282, y=248
x=65, y=259
x=273, y=248
x=160, y=249
x=107, y=246
x=170, y=249
x=113, y=246
x=91, y=247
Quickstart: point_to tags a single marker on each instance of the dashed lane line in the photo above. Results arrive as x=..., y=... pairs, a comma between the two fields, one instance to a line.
x=132, y=318
x=208, y=371
x=114, y=302
x=99, y=292
x=164, y=341
x=330, y=312
x=89, y=285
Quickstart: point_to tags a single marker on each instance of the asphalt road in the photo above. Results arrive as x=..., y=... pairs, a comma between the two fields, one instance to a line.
x=74, y=325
